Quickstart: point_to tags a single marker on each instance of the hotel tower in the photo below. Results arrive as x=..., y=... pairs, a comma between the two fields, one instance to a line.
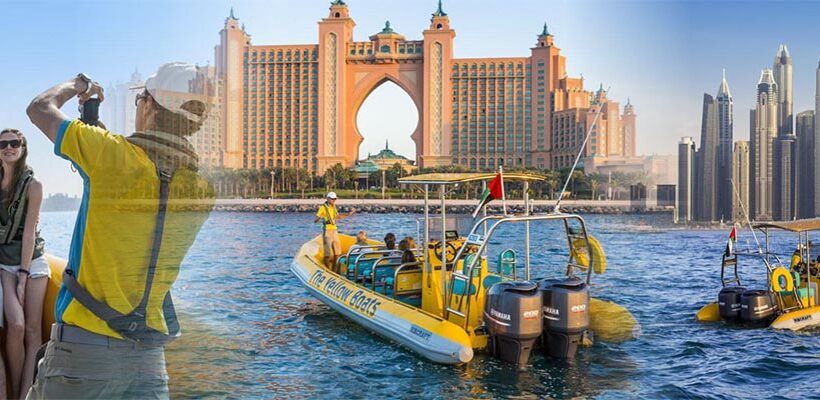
x=295, y=105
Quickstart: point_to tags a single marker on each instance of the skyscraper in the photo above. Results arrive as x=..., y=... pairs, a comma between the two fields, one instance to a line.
x=725, y=128
x=686, y=176
x=706, y=163
x=740, y=180
x=765, y=125
x=628, y=128
x=785, y=157
x=783, y=78
x=816, y=157
x=783, y=163
x=118, y=111
x=752, y=206
x=804, y=124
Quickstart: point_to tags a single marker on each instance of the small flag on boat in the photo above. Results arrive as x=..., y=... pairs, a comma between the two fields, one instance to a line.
x=732, y=243
x=495, y=190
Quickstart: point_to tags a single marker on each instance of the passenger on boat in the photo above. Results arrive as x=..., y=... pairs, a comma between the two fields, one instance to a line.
x=796, y=259
x=407, y=245
x=361, y=238
x=22, y=262
x=328, y=214
x=390, y=241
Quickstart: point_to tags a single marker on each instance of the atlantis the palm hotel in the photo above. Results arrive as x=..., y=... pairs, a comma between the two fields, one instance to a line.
x=296, y=105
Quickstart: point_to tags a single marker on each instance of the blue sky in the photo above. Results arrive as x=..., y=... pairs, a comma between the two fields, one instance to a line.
x=661, y=55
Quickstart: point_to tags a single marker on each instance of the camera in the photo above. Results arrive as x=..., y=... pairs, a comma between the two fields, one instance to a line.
x=90, y=111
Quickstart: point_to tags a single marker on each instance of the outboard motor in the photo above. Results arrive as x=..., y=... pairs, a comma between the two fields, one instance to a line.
x=729, y=303
x=566, y=316
x=513, y=317
x=757, y=307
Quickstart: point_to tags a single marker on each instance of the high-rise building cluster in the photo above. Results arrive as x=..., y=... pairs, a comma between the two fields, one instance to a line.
x=773, y=176
x=118, y=110
x=296, y=105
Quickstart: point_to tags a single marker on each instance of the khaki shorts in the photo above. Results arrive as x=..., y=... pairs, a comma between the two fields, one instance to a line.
x=331, y=243
x=71, y=370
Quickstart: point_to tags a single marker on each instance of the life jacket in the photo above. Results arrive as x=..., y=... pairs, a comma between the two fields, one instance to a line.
x=17, y=209
x=329, y=220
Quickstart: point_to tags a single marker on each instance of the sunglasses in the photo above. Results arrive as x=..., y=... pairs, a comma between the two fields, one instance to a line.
x=14, y=143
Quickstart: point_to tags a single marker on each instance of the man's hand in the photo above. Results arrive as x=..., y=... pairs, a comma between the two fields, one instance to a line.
x=86, y=92
x=44, y=111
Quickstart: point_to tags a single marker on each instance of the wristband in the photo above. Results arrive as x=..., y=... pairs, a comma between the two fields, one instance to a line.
x=88, y=81
x=25, y=271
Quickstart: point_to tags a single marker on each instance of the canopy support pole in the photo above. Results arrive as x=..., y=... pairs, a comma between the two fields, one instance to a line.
x=527, y=230
x=443, y=243
x=427, y=264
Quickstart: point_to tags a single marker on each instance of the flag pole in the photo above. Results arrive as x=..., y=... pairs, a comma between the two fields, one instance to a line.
x=503, y=192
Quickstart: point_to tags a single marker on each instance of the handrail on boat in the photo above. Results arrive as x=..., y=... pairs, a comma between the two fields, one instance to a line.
x=502, y=219
x=375, y=253
x=378, y=265
x=352, y=251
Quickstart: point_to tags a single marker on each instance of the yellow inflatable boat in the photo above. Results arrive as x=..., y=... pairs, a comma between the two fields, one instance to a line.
x=792, y=299
x=455, y=296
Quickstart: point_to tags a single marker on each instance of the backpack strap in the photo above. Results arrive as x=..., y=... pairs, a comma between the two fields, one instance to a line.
x=133, y=325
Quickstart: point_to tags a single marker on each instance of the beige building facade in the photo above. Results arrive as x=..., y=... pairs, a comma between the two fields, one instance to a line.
x=295, y=105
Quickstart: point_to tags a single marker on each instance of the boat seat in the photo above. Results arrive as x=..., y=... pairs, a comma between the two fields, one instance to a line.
x=490, y=280
x=805, y=294
x=364, y=267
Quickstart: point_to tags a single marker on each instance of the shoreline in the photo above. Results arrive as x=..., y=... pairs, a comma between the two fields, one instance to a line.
x=414, y=206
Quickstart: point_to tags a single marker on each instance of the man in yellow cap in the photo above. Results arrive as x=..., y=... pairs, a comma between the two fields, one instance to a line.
x=328, y=215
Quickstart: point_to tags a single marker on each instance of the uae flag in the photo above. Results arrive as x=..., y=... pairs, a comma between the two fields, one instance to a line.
x=495, y=190
x=732, y=243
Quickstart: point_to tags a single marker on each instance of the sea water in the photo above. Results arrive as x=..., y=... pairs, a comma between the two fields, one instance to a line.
x=250, y=330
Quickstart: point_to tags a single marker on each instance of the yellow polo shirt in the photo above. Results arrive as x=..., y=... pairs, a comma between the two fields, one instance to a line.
x=113, y=235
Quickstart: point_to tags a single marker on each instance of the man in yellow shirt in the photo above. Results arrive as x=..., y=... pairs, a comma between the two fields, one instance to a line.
x=143, y=204
x=328, y=215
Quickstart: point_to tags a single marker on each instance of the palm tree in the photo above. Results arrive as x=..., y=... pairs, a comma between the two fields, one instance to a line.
x=595, y=181
x=244, y=176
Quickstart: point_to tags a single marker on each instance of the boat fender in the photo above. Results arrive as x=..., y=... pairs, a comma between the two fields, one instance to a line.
x=782, y=280
x=579, y=251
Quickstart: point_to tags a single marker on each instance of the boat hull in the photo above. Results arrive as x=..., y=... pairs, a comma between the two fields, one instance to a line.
x=428, y=335
x=792, y=320
x=798, y=319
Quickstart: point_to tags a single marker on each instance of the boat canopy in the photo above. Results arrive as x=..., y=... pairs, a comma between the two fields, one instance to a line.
x=800, y=225
x=450, y=178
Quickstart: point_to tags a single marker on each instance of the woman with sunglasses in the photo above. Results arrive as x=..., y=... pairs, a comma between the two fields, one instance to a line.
x=22, y=264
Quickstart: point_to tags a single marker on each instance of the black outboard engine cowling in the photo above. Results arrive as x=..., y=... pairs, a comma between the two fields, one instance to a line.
x=729, y=303
x=566, y=316
x=513, y=317
x=757, y=307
